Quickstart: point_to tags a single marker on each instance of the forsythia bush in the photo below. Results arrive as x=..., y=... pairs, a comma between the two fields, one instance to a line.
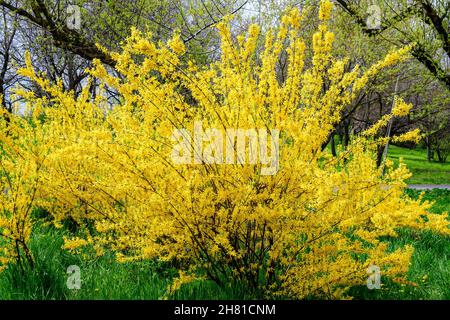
x=311, y=229
x=19, y=181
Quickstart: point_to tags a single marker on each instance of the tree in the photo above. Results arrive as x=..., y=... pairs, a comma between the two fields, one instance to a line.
x=7, y=78
x=112, y=21
x=423, y=23
x=61, y=51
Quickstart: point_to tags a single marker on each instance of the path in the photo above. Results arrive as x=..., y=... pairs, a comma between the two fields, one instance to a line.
x=429, y=186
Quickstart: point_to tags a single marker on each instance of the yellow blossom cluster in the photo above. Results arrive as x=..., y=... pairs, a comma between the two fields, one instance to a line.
x=401, y=108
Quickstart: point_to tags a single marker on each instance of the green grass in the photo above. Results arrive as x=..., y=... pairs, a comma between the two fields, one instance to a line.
x=440, y=197
x=424, y=172
x=430, y=265
x=103, y=278
x=429, y=270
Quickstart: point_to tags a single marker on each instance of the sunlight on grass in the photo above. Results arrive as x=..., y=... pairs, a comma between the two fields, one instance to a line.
x=424, y=172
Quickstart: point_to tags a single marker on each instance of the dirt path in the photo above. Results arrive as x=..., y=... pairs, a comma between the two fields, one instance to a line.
x=429, y=186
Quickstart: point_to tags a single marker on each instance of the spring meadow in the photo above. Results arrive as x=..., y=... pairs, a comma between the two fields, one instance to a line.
x=224, y=150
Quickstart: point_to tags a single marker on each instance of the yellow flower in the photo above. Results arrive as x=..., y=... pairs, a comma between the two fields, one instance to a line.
x=177, y=45
x=325, y=10
x=401, y=108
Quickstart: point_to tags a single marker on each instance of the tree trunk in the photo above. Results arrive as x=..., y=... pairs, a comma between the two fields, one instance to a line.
x=380, y=151
x=438, y=152
x=427, y=141
x=333, y=145
x=346, y=135
x=388, y=131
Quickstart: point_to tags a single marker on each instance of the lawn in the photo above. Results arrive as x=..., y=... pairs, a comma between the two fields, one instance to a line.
x=424, y=172
x=103, y=278
x=430, y=265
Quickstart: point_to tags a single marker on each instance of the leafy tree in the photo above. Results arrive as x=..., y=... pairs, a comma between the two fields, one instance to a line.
x=423, y=23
